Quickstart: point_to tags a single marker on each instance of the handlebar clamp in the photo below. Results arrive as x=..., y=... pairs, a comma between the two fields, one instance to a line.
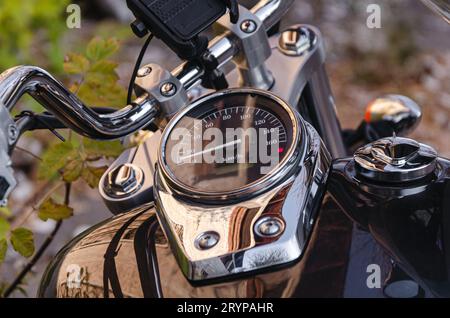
x=161, y=86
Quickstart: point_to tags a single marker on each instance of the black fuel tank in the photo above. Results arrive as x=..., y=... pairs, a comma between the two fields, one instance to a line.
x=128, y=256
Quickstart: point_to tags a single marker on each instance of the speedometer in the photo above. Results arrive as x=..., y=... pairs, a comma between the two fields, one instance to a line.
x=228, y=143
x=238, y=183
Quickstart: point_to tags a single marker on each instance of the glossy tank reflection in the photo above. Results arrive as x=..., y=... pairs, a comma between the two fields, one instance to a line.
x=409, y=219
x=128, y=256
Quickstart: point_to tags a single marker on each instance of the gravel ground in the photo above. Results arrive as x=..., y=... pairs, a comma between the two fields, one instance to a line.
x=362, y=65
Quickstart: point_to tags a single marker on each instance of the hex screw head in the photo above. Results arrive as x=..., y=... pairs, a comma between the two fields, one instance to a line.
x=297, y=40
x=207, y=240
x=124, y=180
x=248, y=26
x=168, y=89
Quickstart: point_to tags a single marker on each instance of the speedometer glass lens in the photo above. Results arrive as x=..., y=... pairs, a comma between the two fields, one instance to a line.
x=228, y=142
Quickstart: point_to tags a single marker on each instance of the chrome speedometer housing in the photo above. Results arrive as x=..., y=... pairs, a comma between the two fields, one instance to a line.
x=233, y=103
x=253, y=226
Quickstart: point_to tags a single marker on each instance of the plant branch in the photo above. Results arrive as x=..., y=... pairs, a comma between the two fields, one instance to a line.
x=24, y=217
x=18, y=280
x=28, y=153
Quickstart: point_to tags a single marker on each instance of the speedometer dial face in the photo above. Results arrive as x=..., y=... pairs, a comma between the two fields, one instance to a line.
x=228, y=142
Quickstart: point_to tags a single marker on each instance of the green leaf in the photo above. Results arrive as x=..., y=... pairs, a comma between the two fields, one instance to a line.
x=92, y=175
x=102, y=73
x=94, y=148
x=76, y=64
x=108, y=94
x=27, y=22
x=99, y=49
x=4, y=228
x=22, y=241
x=70, y=159
x=54, y=211
x=55, y=158
x=104, y=67
x=97, y=80
x=72, y=171
x=113, y=94
x=100, y=80
x=5, y=212
x=3, y=249
x=87, y=93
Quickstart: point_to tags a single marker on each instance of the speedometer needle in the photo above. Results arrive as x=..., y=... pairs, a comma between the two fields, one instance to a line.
x=228, y=144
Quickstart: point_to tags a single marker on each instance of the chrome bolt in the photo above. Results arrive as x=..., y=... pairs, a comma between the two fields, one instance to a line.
x=207, y=240
x=269, y=227
x=248, y=26
x=13, y=134
x=168, y=89
x=124, y=180
x=297, y=40
x=144, y=71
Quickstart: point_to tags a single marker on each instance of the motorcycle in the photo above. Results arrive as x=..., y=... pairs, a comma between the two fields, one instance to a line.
x=248, y=186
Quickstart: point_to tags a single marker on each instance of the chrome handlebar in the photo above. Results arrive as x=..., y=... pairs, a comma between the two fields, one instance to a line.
x=66, y=106
x=57, y=99
x=271, y=11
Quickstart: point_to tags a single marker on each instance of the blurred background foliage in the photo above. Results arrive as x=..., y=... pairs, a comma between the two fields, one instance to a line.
x=35, y=32
x=31, y=31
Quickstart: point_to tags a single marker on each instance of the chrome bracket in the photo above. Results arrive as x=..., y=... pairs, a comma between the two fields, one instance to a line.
x=254, y=49
x=143, y=159
x=162, y=86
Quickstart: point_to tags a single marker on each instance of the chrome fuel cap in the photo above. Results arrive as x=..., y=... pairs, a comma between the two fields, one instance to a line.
x=395, y=159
